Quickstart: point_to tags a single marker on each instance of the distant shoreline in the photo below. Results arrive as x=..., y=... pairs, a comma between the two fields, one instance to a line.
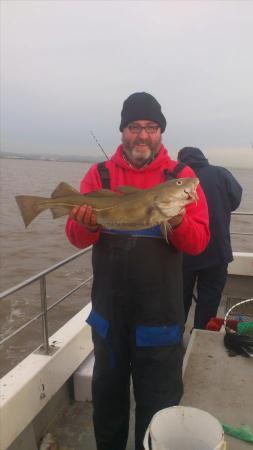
x=91, y=159
x=45, y=157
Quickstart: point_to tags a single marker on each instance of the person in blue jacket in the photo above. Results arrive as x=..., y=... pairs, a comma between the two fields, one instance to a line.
x=208, y=270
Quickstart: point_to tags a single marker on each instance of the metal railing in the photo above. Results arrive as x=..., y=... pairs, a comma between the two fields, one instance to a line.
x=241, y=213
x=41, y=277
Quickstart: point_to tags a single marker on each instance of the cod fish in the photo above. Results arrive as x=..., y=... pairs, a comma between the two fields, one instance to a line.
x=128, y=208
x=49, y=443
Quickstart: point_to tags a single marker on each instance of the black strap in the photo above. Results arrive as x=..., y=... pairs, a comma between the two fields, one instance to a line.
x=170, y=175
x=104, y=175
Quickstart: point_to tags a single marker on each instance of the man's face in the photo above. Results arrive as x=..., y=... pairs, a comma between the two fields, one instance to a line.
x=141, y=144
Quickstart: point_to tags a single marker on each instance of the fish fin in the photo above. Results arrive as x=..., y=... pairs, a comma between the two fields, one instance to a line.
x=128, y=189
x=59, y=211
x=30, y=206
x=64, y=189
x=165, y=228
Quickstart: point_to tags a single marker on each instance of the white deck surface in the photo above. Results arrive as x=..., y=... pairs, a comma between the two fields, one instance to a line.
x=219, y=384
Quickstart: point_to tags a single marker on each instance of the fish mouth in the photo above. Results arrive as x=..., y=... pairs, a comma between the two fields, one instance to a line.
x=191, y=195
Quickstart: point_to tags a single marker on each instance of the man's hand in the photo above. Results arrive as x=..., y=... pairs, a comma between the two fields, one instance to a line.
x=85, y=216
x=176, y=220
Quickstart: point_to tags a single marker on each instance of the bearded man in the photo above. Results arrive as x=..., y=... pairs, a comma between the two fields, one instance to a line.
x=137, y=316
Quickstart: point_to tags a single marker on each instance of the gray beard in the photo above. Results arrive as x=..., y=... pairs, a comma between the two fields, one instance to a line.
x=145, y=162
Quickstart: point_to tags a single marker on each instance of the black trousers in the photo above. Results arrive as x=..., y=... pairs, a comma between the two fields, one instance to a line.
x=137, y=323
x=210, y=283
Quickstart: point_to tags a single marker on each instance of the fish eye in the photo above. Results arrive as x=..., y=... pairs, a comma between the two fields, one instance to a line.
x=179, y=182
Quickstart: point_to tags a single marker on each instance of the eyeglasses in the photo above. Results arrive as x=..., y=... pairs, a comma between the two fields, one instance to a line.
x=150, y=129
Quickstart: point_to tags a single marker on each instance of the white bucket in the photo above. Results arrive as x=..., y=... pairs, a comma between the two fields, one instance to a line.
x=184, y=428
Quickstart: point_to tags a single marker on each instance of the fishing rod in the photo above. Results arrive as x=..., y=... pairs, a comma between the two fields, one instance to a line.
x=100, y=146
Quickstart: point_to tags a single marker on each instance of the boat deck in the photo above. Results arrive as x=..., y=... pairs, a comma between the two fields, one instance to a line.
x=213, y=381
x=73, y=427
x=74, y=431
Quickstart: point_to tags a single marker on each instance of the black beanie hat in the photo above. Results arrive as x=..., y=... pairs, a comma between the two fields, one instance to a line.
x=142, y=106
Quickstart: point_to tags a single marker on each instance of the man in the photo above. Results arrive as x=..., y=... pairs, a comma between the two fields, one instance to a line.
x=137, y=307
x=209, y=269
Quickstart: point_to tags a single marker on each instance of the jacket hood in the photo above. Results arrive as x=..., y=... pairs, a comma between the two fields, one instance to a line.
x=160, y=159
x=192, y=156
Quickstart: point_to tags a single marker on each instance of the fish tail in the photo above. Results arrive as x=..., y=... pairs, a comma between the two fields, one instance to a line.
x=30, y=206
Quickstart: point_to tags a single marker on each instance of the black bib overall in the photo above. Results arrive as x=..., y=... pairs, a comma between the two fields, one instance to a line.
x=137, y=320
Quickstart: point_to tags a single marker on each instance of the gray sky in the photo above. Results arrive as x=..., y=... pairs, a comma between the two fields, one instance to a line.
x=68, y=65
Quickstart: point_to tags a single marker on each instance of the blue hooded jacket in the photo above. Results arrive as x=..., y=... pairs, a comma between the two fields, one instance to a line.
x=223, y=194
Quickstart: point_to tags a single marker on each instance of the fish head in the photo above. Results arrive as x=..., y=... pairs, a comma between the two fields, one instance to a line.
x=189, y=188
x=175, y=194
x=180, y=188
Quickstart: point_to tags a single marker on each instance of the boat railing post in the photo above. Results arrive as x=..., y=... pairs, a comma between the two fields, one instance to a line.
x=43, y=299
